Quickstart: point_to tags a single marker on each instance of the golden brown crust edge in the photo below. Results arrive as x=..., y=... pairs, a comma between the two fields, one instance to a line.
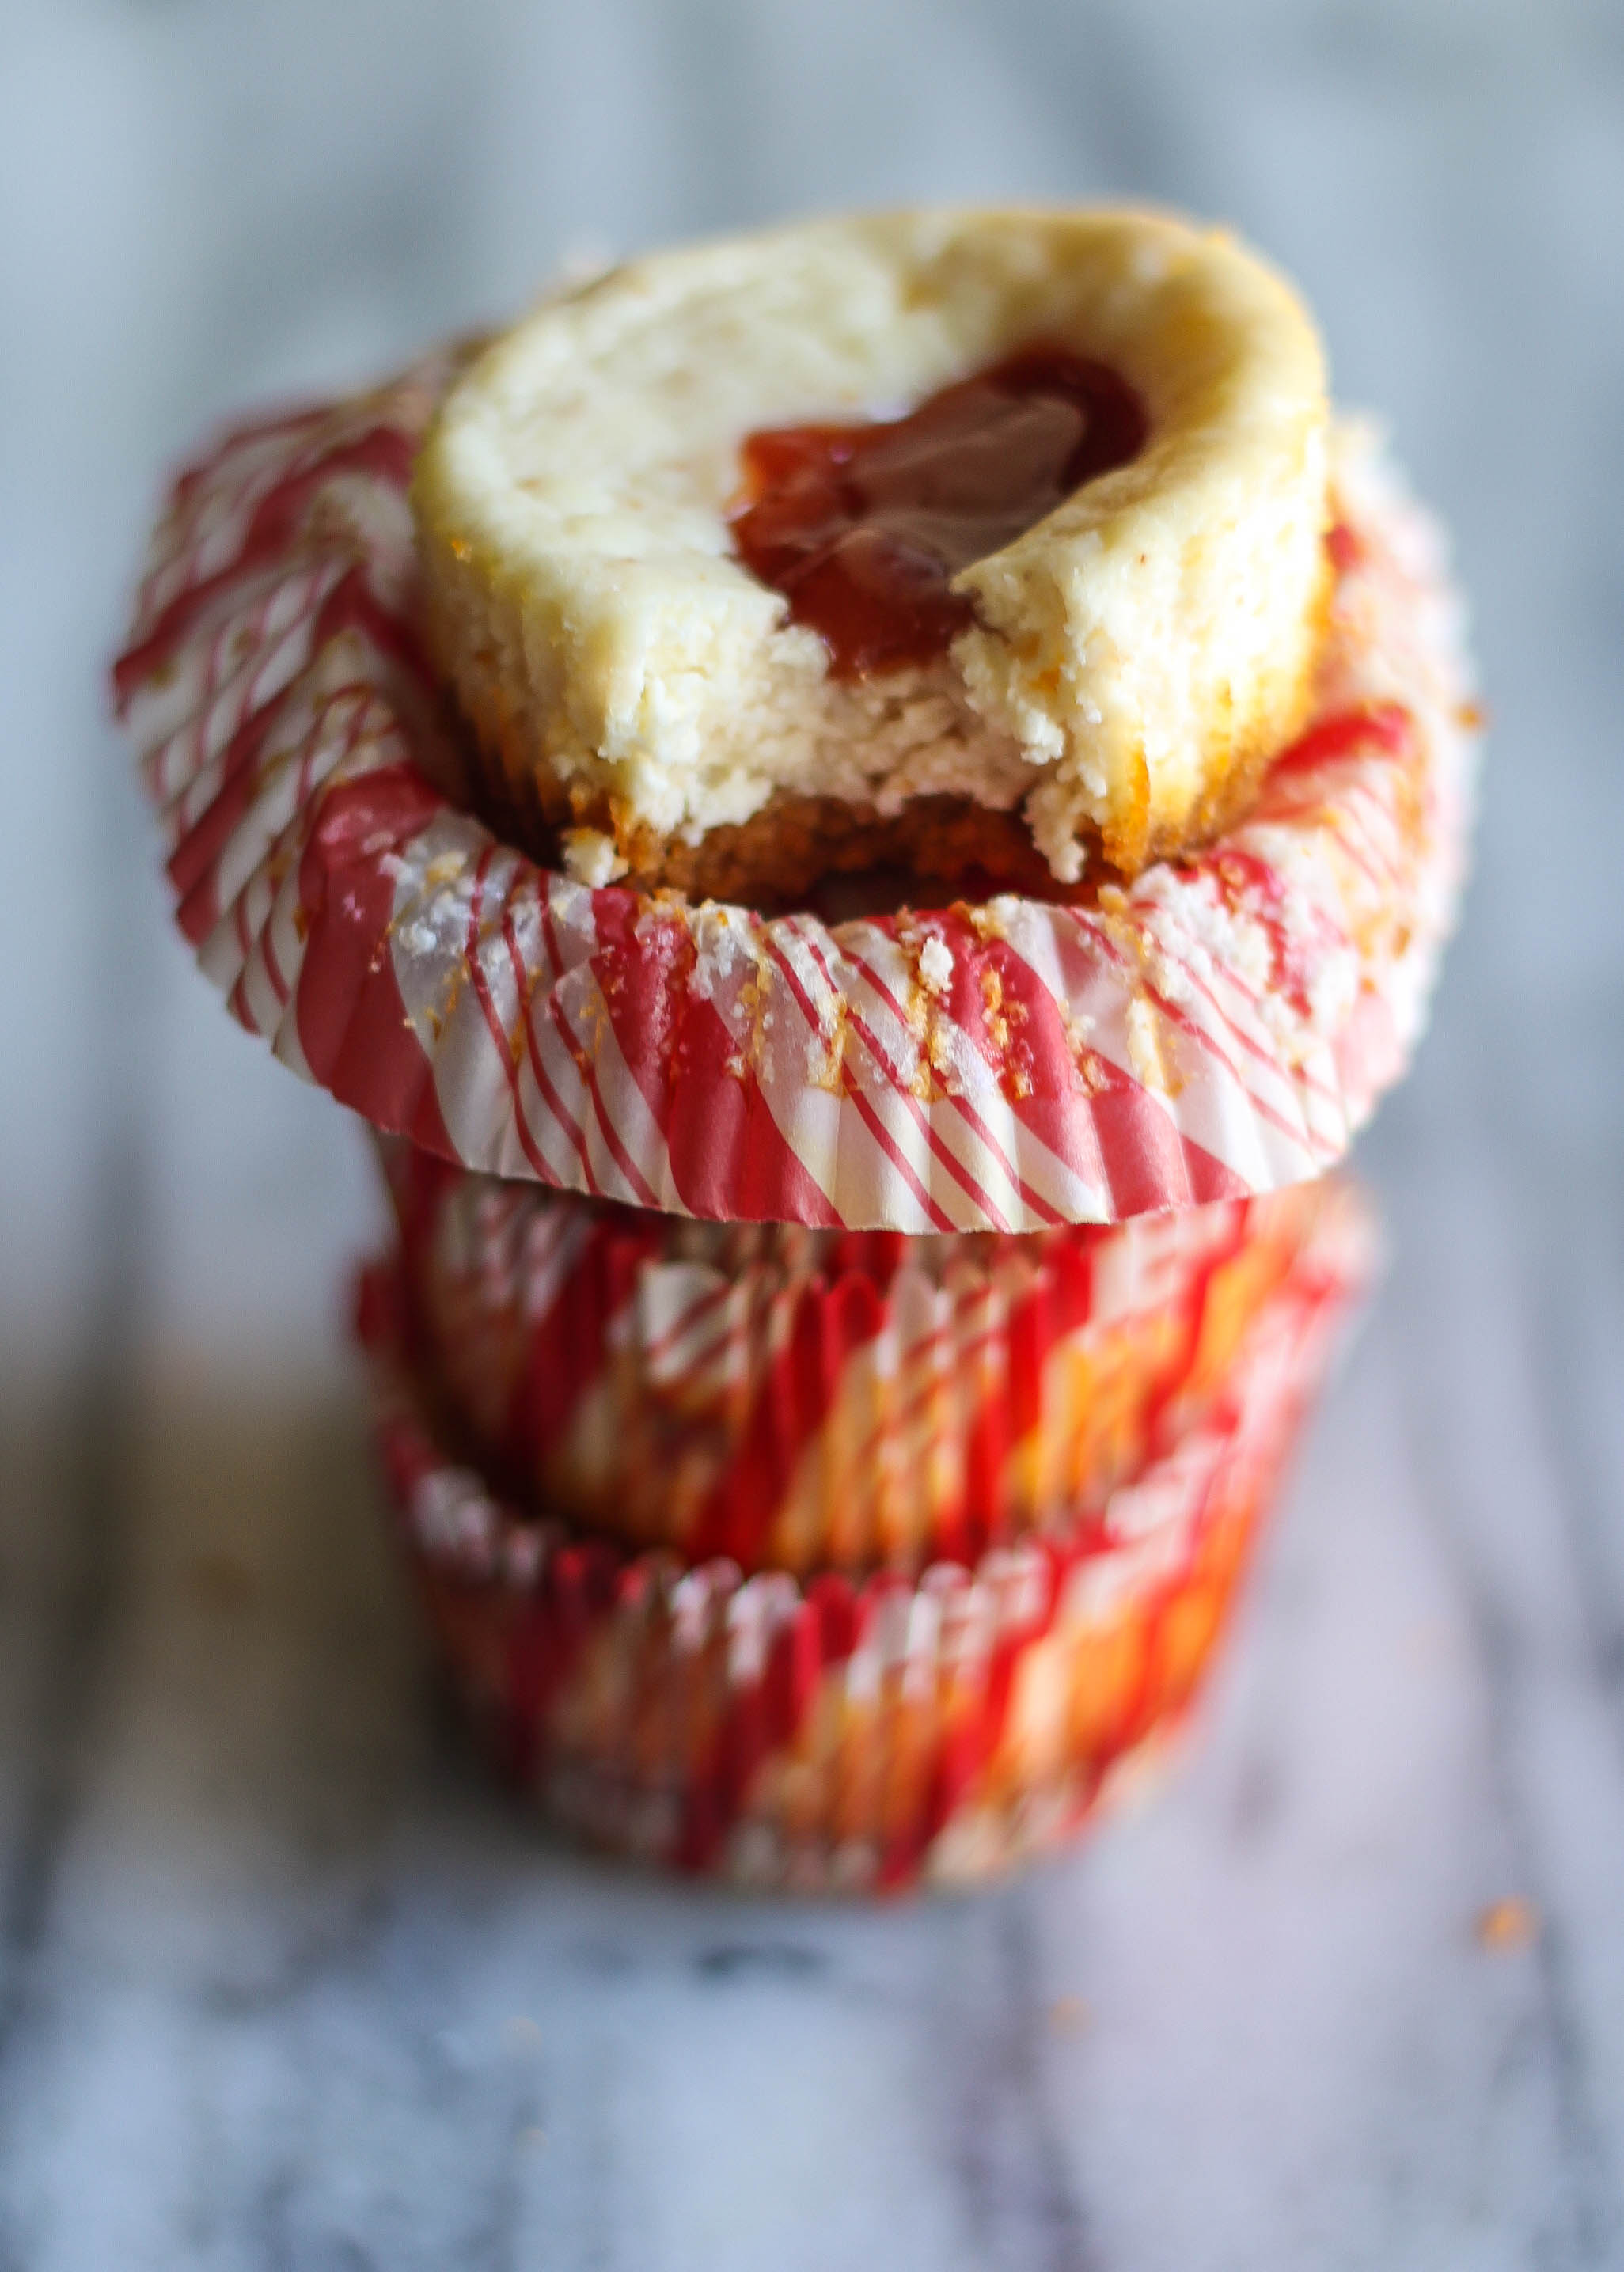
x=781, y=852
x=778, y=857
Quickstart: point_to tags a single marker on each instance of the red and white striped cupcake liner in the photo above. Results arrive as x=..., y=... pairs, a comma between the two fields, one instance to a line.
x=846, y=1732
x=795, y=1399
x=1216, y=1030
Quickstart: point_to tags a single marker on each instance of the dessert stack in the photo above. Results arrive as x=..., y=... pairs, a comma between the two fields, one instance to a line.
x=864, y=811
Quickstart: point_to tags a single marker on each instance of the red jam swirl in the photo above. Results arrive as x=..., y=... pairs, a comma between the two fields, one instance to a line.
x=863, y=529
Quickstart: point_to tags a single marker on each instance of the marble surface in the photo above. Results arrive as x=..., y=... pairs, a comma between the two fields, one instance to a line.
x=283, y=1982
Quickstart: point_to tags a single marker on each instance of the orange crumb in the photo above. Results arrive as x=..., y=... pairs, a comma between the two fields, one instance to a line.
x=1510, y=1923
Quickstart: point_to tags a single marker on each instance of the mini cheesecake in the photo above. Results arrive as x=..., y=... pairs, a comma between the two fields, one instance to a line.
x=983, y=542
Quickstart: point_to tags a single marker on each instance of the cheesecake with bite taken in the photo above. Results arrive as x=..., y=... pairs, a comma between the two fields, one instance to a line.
x=982, y=542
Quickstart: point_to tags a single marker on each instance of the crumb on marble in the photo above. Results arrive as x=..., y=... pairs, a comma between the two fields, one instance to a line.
x=1506, y=1924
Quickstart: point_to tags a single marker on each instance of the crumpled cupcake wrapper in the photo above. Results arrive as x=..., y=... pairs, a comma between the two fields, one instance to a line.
x=831, y=1733
x=1217, y=1030
x=798, y=1400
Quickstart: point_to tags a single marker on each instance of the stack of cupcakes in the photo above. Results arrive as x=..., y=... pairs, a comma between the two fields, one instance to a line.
x=864, y=811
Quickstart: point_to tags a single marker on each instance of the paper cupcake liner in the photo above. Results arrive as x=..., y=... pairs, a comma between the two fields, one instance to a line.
x=1217, y=1030
x=834, y=1733
x=796, y=1399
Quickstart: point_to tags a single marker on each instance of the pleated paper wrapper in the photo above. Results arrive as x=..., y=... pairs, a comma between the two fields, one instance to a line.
x=1215, y=1030
x=796, y=1399
x=840, y=1732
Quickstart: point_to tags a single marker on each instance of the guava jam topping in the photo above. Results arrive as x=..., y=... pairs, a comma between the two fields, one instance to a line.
x=864, y=527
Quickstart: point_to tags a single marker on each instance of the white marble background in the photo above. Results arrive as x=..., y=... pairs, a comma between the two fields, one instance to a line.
x=282, y=1983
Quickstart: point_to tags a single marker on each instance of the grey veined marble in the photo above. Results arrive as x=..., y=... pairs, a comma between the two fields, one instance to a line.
x=283, y=1981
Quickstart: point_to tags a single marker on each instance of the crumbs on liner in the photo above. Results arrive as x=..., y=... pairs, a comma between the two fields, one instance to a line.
x=935, y=965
